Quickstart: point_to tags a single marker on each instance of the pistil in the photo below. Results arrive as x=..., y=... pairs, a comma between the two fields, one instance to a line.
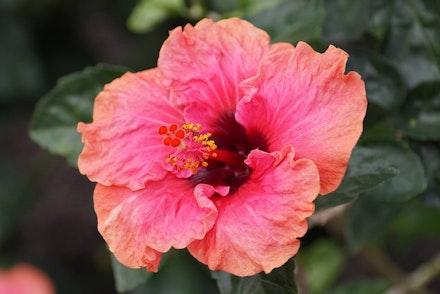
x=193, y=149
x=232, y=159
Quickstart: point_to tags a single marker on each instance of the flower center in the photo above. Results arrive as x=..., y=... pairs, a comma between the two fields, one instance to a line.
x=194, y=149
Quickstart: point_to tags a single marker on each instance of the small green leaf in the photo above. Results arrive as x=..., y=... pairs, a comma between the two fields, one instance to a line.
x=54, y=122
x=378, y=206
x=411, y=180
x=321, y=263
x=126, y=279
x=383, y=83
x=412, y=40
x=419, y=118
x=179, y=272
x=378, y=132
x=345, y=19
x=149, y=13
x=379, y=17
x=430, y=155
x=367, y=220
x=223, y=6
x=367, y=168
x=291, y=21
x=279, y=281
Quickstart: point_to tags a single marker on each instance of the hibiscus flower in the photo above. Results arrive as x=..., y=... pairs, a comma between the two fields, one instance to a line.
x=221, y=148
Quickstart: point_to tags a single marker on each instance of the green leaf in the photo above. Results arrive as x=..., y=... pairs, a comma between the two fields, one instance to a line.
x=430, y=155
x=412, y=40
x=126, y=279
x=291, y=21
x=366, y=169
x=149, y=13
x=179, y=272
x=224, y=6
x=411, y=180
x=279, y=281
x=419, y=118
x=345, y=19
x=367, y=220
x=379, y=17
x=54, y=122
x=383, y=83
x=378, y=132
x=242, y=8
x=321, y=263
x=378, y=206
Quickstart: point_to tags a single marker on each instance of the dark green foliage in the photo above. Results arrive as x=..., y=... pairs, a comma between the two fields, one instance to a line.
x=57, y=114
x=279, y=281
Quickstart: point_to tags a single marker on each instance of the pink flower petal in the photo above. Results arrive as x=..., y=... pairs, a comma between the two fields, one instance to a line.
x=25, y=279
x=122, y=146
x=138, y=225
x=303, y=98
x=258, y=226
x=207, y=62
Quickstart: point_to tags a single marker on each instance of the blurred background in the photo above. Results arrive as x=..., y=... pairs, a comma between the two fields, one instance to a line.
x=46, y=207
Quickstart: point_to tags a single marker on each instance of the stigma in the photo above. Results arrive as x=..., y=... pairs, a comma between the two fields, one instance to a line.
x=191, y=148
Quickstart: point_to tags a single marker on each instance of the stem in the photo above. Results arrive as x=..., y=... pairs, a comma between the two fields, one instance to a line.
x=383, y=264
x=419, y=278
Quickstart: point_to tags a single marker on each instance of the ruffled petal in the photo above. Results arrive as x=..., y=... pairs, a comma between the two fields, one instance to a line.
x=138, y=225
x=207, y=62
x=258, y=226
x=303, y=98
x=121, y=145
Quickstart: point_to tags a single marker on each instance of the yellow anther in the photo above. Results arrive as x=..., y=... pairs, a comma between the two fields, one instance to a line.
x=187, y=126
x=192, y=127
